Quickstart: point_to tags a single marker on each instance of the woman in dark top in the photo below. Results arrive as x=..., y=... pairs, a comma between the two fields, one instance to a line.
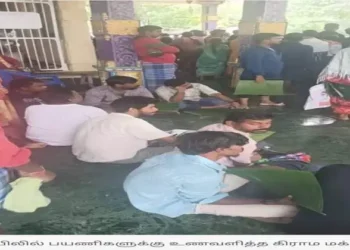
x=298, y=66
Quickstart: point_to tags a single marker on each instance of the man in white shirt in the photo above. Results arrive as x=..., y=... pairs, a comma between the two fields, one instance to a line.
x=188, y=95
x=121, y=137
x=117, y=87
x=310, y=38
x=55, y=122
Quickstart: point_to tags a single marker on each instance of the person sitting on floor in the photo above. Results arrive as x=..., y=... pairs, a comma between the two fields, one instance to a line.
x=192, y=182
x=15, y=161
x=121, y=137
x=244, y=123
x=25, y=92
x=56, y=122
x=188, y=95
x=117, y=87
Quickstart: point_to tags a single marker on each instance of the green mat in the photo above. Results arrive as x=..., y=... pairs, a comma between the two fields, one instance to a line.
x=302, y=186
x=269, y=88
x=261, y=136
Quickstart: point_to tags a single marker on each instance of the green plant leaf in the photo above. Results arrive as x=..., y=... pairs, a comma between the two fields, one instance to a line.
x=253, y=88
x=301, y=185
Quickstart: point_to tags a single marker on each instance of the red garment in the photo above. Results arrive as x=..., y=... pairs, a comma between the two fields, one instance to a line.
x=10, y=154
x=12, y=61
x=141, y=47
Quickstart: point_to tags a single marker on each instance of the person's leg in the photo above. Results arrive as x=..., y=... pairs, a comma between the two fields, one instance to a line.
x=244, y=102
x=265, y=101
x=146, y=153
x=213, y=103
x=189, y=105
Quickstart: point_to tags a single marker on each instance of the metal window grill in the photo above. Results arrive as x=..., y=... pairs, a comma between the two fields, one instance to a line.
x=39, y=49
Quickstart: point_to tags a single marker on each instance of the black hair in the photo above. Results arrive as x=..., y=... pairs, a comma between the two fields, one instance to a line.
x=123, y=104
x=121, y=80
x=164, y=34
x=198, y=33
x=22, y=83
x=310, y=33
x=294, y=37
x=148, y=28
x=175, y=82
x=217, y=32
x=242, y=115
x=166, y=40
x=260, y=37
x=347, y=31
x=208, y=141
x=56, y=95
x=187, y=34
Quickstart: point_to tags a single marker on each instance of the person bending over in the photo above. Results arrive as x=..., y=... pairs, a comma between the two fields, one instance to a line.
x=260, y=63
x=188, y=95
x=244, y=123
x=121, y=137
x=56, y=122
x=192, y=182
x=117, y=87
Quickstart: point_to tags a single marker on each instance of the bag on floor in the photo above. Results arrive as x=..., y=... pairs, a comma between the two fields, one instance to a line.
x=318, y=98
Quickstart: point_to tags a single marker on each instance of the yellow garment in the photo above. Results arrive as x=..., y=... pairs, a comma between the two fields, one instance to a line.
x=25, y=196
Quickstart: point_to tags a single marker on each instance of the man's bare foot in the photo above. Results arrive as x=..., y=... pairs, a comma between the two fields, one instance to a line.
x=344, y=117
x=270, y=103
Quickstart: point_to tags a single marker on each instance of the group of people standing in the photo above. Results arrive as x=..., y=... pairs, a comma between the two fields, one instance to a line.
x=296, y=58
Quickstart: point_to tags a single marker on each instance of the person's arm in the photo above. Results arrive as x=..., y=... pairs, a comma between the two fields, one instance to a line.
x=179, y=95
x=163, y=47
x=211, y=92
x=146, y=131
x=254, y=63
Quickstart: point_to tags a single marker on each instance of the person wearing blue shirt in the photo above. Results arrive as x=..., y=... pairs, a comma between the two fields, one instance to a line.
x=261, y=62
x=190, y=181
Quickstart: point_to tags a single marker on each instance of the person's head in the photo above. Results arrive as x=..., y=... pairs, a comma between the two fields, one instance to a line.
x=27, y=85
x=187, y=34
x=59, y=95
x=177, y=82
x=212, y=144
x=135, y=106
x=249, y=121
x=150, y=31
x=293, y=37
x=166, y=40
x=310, y=34
x=347, y=31
x=217, y=33
x=198, y=33
x=164, y=34
x=331, y=27
x=267, y=39
x=122, y=82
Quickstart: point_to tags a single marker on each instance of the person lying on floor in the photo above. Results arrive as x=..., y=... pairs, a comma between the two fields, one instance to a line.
x=56, y=122
x=121, y=137
x=192, y=182
x=243, y=122
x=15, y=161
x=117, y=87
x=247, y=122
x=188, y=95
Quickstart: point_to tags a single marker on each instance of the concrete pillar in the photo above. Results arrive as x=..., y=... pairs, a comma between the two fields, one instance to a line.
x=114, y=26
x=76, y=40
x=209, y=16
x=263, y=17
